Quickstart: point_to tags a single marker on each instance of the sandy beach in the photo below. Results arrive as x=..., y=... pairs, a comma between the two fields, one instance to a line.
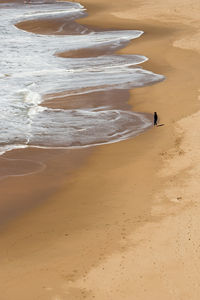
x=119, y=221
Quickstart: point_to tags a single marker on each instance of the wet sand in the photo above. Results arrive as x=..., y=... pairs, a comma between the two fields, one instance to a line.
x=125, y=224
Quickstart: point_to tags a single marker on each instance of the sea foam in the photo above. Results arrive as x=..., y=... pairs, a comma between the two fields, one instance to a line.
x=31, y=69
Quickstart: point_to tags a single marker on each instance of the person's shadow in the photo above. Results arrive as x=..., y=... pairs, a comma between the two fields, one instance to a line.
x=160, y=125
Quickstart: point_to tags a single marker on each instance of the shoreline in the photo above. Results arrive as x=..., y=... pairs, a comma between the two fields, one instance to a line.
x=24, y=161
x=103, y=235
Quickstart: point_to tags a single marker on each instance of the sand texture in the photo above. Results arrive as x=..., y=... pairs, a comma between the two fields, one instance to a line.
x=119, y=221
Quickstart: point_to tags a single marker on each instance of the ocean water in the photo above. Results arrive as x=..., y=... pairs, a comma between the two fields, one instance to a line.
x=30, y=70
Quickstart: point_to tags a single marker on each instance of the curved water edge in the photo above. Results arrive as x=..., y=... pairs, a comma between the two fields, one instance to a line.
x=31, y=70
x=19, y=167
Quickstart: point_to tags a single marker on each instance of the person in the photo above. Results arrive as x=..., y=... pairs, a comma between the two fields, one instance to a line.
x=155, y=119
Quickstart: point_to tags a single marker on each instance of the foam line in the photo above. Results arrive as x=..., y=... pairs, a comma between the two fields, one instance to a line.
x=30, y=69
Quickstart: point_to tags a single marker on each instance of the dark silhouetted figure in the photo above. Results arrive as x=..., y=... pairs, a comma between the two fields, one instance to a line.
x=155, y=119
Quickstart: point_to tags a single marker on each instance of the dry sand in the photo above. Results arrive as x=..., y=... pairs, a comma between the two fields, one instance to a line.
x=125, y=225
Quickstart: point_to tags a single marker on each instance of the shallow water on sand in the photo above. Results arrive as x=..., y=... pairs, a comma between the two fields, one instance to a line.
x=30, y=70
